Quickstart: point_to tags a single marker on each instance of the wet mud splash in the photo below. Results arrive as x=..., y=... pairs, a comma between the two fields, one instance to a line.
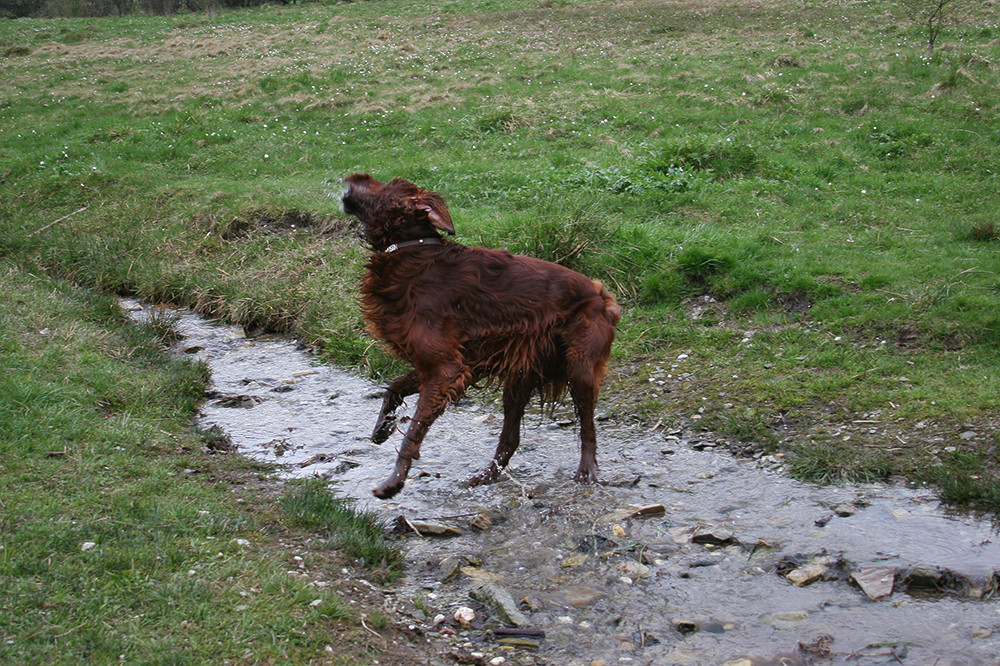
x=680, y=555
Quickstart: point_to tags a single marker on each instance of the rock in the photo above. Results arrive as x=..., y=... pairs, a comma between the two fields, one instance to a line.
x=685, y=627
x=450, y=567
x=635, y=568
x=518, y=642
x=683, y=534
x=782, y=619
x=581, y=597
x=632, y=511
x=464, y=615
x=532, y=604
x=87, y=545
x=875, y=580
x=426, y=527
x=481, y=522
x=923, y=575
x=618, y=531
x=573, y=561
x=846, y=509
x=480, y=575
x=714, y=536
x=806, y=574
x=500, y=603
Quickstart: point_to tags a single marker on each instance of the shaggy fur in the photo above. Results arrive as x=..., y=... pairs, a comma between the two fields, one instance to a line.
x=461, y=314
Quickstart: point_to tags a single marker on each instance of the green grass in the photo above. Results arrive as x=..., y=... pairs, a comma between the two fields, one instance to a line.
x=807, y=166
x=119, y=538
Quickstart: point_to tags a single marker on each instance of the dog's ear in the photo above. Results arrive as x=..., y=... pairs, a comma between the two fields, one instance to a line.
x=432, y=205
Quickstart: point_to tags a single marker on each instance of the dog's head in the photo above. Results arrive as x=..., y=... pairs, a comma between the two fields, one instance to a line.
x=394, y=212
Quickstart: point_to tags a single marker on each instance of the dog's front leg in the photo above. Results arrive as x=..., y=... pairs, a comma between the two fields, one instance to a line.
x=445, y=385
x=395, y=393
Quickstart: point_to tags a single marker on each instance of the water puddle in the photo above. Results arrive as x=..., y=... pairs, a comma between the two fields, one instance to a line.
x=681, y=556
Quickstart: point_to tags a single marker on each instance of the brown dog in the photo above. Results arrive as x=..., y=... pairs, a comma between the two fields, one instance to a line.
x=462, y=314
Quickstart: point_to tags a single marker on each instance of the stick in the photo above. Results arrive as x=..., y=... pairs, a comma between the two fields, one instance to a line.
x=55, y=222
x=370, y=630
x=519, y=631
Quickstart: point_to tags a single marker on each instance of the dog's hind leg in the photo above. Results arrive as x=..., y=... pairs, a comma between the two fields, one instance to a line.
x=445, y=385
x=584, y=392
x=516, y=394
x=395, y=393
x=586, y=360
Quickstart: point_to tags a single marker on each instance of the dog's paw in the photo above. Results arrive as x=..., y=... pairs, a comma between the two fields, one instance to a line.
x=387, y=490
x=384, y=429
x=487, y=476
x=586, y=475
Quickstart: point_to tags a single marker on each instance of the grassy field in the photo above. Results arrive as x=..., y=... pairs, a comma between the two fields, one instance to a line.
x=795, y=204
x=127, y=537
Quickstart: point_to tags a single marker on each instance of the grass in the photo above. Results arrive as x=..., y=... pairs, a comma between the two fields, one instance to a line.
x=806, y=166
x=120, y=539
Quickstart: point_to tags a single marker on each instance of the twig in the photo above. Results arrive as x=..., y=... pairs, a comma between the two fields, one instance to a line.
x=519, y=631
x=369, y=629
x=55, y=222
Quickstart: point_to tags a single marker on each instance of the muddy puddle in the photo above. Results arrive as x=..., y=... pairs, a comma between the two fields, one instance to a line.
x=680, y=556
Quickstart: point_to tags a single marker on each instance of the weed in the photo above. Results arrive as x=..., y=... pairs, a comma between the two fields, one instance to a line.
x=359, y=533
x=965, y=477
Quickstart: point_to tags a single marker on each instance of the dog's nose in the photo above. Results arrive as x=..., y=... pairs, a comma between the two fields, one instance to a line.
x=342, y=194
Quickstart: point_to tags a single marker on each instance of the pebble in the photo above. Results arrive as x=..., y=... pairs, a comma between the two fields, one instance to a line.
x=464, y=615
x=806, y=574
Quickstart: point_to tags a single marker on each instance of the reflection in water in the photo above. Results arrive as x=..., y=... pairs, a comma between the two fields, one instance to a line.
x=701, y=582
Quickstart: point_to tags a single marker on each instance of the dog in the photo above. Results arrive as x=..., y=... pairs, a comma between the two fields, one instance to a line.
x=462, y=315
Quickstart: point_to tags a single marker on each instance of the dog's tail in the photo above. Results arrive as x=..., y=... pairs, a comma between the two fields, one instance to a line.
x=611, y=307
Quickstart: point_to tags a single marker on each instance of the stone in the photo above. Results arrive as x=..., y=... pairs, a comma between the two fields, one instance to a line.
x=782, y=619
x=464, y=615
x=450, y=567
x=635, y=569
x=846, y=509
x=430, y=527
x=714, y=536
x=581, y=597
x=806, y=574
x=875, y=580
x=481, y=522
x=500, y=603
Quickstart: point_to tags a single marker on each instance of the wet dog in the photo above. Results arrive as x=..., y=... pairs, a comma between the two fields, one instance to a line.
x=460, y=315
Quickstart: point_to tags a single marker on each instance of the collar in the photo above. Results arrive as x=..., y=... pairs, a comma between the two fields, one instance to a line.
x=434, y=240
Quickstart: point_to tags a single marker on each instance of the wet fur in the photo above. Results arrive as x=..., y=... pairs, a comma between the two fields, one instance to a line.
x=463, y=315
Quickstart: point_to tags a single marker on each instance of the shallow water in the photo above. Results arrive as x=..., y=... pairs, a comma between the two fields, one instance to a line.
x=644, y=593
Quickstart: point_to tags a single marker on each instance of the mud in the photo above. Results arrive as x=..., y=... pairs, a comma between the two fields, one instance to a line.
x=701, y=576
